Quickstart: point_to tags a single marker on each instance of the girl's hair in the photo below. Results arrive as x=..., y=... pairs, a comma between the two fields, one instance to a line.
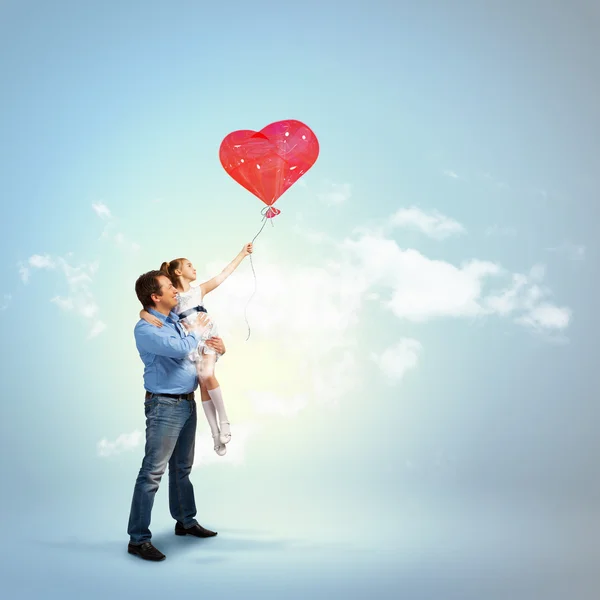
x=169, y=268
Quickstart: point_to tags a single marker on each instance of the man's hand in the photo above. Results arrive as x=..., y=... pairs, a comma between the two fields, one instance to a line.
x=200, y=326
x=216, y=343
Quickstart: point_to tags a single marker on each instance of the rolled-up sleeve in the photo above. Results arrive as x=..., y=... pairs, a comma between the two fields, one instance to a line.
x=164, y=341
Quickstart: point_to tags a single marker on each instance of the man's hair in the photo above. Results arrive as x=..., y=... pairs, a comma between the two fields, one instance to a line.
x=146, y=285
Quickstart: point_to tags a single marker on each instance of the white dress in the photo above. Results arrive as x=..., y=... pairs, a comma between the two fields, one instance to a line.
x=187, y=305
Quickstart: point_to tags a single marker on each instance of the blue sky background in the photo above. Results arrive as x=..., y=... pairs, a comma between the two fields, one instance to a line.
x=415, y=412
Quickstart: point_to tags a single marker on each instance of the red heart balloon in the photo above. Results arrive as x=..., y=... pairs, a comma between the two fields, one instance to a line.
x=271, y=160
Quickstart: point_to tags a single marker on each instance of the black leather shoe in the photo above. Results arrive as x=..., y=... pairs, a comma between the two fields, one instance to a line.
x=196, y=530
x=146, y=551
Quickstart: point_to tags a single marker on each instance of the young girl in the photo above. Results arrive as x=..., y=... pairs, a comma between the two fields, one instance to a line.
x=181, y=272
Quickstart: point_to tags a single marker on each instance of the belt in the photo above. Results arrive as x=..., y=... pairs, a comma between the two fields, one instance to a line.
x=191, y=311
x=189, y=396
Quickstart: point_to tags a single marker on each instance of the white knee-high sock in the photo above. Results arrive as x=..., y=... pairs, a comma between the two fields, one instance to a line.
x=211, y=416
x=217, y=398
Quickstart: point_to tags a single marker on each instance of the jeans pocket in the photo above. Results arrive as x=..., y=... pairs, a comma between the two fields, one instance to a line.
x=166, y=401
x=149, y=405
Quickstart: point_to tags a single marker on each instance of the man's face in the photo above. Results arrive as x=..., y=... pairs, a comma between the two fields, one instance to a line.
x=168, y=297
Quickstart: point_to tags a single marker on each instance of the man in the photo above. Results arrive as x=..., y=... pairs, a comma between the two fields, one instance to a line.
x=170, y=381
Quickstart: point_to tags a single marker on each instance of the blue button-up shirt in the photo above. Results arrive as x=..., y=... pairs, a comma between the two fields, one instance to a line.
x=164, y=352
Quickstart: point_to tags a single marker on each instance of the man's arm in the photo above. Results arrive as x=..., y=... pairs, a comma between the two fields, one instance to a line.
x=164, y=341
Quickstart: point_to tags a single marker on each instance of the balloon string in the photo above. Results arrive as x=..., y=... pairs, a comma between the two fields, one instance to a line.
x=264, y=222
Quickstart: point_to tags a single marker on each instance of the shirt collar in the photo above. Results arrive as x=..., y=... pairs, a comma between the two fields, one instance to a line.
x=172, y=316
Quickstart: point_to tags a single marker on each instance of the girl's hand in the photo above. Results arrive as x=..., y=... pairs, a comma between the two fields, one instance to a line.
x=150, y=318
x=247, y=249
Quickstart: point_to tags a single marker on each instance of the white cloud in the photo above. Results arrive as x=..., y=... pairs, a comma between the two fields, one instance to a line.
x=80, y=299
x=421, y=289
x=64, y=303
x=507, y=300
x=336, y=194
x=306, y=320
x=433, y=224
x=312, y=317
x=546, y=316
x=570, y=250
x=97, y=328
x=122, y=242
x=267, y=402
x=41, y=262
x=342, y=376
x=6, y=302
x=111, y=232
x=295, y=304
x=306, y=317
x=102, y=210
x=396, y=360
x=241, y=433
x=451, y=174
x=124, y=443
x=526, y=299
x=36, y=261
x=24, y=273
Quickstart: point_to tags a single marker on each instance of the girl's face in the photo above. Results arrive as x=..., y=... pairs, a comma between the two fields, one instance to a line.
x=188, y=271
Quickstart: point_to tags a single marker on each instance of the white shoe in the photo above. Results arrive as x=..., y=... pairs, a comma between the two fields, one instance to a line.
x=219, y=448
x=225, y=436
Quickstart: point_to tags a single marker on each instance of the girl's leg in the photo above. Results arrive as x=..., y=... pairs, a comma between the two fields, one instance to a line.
x=211, y=414
x=209, y=360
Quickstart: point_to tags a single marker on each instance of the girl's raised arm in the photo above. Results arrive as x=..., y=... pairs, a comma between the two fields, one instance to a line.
x=215, y=282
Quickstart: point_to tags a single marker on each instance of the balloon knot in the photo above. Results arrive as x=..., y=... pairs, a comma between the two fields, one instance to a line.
x=270, y=211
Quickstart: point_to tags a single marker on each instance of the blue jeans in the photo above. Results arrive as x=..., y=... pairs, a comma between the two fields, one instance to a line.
x=170, y=437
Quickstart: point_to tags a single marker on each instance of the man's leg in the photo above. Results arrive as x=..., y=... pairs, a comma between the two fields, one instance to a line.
x=181, y=492
x=164, y=421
